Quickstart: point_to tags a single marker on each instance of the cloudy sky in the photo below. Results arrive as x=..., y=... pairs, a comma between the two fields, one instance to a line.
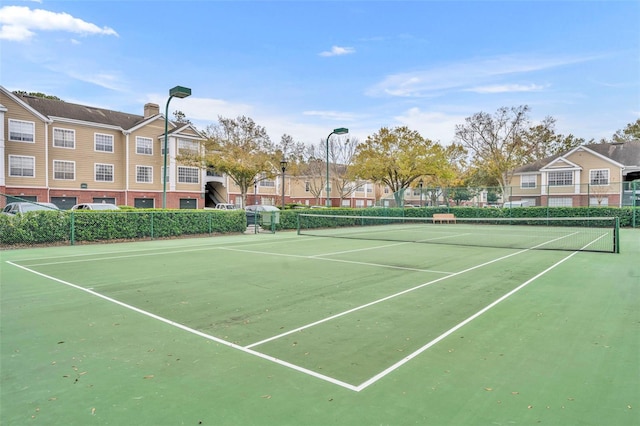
x=304, y=68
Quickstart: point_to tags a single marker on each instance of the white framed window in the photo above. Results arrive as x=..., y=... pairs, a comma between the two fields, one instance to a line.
x=144, y=174
x=599, y=177
x=22, y=131
x=64, y=138
x=22, y=166
x=564, y=178
x=103, y=143
x=64, y=170
x=527, y=181
x=188, y=175
x=144, y=146
x=186, y=146
x=359, y=203
x=268, y=182
x=103, y=172
x=561, y=202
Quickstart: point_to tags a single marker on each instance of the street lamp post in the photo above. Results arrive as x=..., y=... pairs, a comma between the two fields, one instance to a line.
x=176, y=92
x=338, y=131
x=283, y=166
x=420, y=186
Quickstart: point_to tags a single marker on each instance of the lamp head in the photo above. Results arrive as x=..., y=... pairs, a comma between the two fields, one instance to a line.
x=340, y=131
x=180, y=92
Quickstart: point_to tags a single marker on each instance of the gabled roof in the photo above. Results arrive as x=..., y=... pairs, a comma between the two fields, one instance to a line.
x=626, y=154
x=54, y=108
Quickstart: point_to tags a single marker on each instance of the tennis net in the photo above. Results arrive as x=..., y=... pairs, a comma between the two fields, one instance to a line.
x=573, y=234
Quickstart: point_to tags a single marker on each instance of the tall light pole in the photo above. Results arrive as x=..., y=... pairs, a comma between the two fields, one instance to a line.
x=283, y=166
x=420, y=185
x=338, y=131
x=176, y=92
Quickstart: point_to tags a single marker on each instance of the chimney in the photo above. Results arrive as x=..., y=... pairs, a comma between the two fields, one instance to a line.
x=151, y=110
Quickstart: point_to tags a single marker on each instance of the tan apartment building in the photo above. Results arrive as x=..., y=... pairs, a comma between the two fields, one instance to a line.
x=67, y=154
x=588, y=175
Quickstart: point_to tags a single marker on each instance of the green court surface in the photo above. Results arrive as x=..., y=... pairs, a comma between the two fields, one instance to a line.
x=287, y=329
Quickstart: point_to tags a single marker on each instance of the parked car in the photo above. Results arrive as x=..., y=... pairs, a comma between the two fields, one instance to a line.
x=258, y=209
x=510, y=204
x=24, y=207
x=226, y=206
x=95, y=206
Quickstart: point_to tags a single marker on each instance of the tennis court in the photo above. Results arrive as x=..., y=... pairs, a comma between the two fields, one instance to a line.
x=300, y=329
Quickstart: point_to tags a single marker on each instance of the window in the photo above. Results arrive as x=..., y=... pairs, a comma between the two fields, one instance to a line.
x=103, y=142
x=64, y=138
x=307, y=187
x=144, y=146
x=359, y=203
x=599, y=177
x=560, y=202
x=188, y=175
x=104, y=172
x=560, y=178
x=22, y=131
x=21, y=166
x=64, y=170
x=528, y=181
x=268, y=182
x=188, y=147
x=144, y=174
x=599, y=201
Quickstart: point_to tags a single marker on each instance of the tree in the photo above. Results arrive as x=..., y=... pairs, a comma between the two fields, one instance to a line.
x=497, y=142
x=541, y=141
x=241, y=149
x=180, y=117
x=397, y=157
x=629, y=133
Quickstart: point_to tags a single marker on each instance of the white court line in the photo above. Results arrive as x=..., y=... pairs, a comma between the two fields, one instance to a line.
x=193, y=331
x=353, y=262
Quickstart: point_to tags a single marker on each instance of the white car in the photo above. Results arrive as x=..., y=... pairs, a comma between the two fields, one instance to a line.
x=95, y=206
x=226, y=206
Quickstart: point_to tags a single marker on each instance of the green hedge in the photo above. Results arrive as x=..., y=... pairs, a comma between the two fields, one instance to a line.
x=43, y=227
x=67, y=227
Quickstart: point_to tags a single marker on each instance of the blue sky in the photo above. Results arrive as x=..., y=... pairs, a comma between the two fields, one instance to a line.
x=306, y=67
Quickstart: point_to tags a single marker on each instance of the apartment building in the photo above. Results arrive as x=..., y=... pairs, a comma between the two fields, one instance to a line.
x=588, y=175
x=67, y=154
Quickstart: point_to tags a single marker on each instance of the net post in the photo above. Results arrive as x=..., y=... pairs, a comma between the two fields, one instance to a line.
x=298, y=224
x=616, y=236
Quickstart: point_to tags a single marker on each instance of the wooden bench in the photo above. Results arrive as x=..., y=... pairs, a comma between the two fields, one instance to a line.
x=444, y=218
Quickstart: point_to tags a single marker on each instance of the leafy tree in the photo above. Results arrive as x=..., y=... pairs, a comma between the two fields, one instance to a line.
x=241, y=149
x=541, y=141
x=397, y=158
x=496, y=141
x=629, y=133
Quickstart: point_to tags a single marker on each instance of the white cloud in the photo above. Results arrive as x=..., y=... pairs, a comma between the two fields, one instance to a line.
x=331, y=115
x=466, y=75
x=338, y=51
x=437, y=126
x=507, y=88
x=19, y=23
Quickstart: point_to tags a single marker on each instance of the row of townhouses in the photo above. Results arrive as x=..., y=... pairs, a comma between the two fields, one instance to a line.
x=65, y=153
